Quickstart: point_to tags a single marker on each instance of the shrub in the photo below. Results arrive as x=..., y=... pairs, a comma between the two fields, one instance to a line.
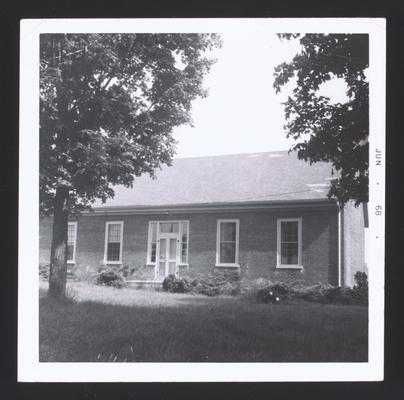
x=339, y=295
x=110, y=277
x=282, y=290
x=218, y=283
x=327, y=294
x=314, y=293
x=361, y=288
x=124, y=270
x=250, y=287
x=177, y=285
x=267, y=295
x=274, y=292
x=44, y=271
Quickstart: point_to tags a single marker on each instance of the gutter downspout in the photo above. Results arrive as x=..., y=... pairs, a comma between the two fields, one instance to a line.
x=339, y=244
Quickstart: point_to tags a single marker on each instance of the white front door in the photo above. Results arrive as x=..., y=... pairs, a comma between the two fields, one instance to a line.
x=167, y=255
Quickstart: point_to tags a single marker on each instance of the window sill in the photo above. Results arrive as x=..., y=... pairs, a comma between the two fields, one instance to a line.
x=151, y=264
x=71, y=262
x=227, y=265
x=289, y=266
x=113, y=262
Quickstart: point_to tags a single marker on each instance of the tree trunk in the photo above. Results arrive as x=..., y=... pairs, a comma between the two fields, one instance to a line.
x=58, y=265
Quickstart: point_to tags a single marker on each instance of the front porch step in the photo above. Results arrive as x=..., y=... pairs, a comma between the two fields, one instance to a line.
x=137, y=284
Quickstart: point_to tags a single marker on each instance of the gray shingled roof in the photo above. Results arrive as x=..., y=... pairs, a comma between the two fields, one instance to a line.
x=274, y=176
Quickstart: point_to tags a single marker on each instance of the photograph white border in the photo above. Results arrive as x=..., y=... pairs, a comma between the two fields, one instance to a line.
x=29, y=367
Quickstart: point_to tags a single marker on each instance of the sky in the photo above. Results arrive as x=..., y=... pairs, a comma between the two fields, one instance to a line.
x=242, y=113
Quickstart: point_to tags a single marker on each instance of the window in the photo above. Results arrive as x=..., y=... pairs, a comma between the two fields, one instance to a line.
x=289, y=246
x=113, y=242
x=169, y=227
x=71, y=242
x=152, y=245
x=227, y=243
x=184, y=242
x=159, y=228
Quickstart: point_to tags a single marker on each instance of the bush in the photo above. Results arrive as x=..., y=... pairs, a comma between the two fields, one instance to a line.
x=218, y=283
x=339, y=295
x=177, y=285
x=314, y=293
x=124, y=270
x=327, y=294
x=282, y=290
x=250, y=287
x=267, y=295
x=274, y=293
x=110, y=277
x=44, y=271
x=361, y=288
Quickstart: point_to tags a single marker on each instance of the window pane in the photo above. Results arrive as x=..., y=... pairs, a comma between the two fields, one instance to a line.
x=172, y=250
x=153, y=252
x=228, y=232
x=163, y=243
x=289, y=231
x=169, y=227
x=113, y=251
x=228, y=253
x=114, y=233
x=153, y=227
x=70, y=249
x=71, y=233
x=184, y=253
x=184, y=231
x=289, y=253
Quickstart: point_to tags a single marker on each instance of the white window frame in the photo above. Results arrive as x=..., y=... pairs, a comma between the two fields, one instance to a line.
x=73, y=260
x=179, y=248
x=186, y=264
x=106, y=242
x=236, y=263
x=149, y=242
x=299, y=264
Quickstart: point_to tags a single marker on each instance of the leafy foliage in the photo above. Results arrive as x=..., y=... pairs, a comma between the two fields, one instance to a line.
x=110, y=277
x=218, y=283
x=177, y=285
x=361, y=287
x=267, y=295
x=323, y=130
x=315, y=293
x=212, y=284
x=320, y=293
x=108, y=103
x=44, y=271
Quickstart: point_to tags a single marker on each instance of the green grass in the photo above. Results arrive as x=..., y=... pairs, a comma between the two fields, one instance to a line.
x=107, y=324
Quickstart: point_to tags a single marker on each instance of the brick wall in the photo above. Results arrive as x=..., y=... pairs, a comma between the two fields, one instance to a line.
x=257, y=246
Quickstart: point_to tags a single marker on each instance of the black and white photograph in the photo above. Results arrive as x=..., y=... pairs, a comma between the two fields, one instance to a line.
x=206, y=200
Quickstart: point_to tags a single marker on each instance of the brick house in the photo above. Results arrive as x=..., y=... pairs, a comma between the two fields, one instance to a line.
x=263, y=214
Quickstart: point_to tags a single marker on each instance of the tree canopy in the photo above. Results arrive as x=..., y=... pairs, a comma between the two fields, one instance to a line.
x=322, y=129
x=108, y=104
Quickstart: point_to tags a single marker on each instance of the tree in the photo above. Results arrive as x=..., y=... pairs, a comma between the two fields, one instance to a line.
x=108, y=104
x=323, y=130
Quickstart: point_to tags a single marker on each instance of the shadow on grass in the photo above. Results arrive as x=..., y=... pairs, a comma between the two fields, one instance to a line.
x=161, y=327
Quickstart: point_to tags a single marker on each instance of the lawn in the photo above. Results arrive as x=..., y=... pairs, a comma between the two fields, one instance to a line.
x=107, y=324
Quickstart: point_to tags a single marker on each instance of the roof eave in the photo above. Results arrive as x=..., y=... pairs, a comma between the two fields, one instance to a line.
x=214, y=207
